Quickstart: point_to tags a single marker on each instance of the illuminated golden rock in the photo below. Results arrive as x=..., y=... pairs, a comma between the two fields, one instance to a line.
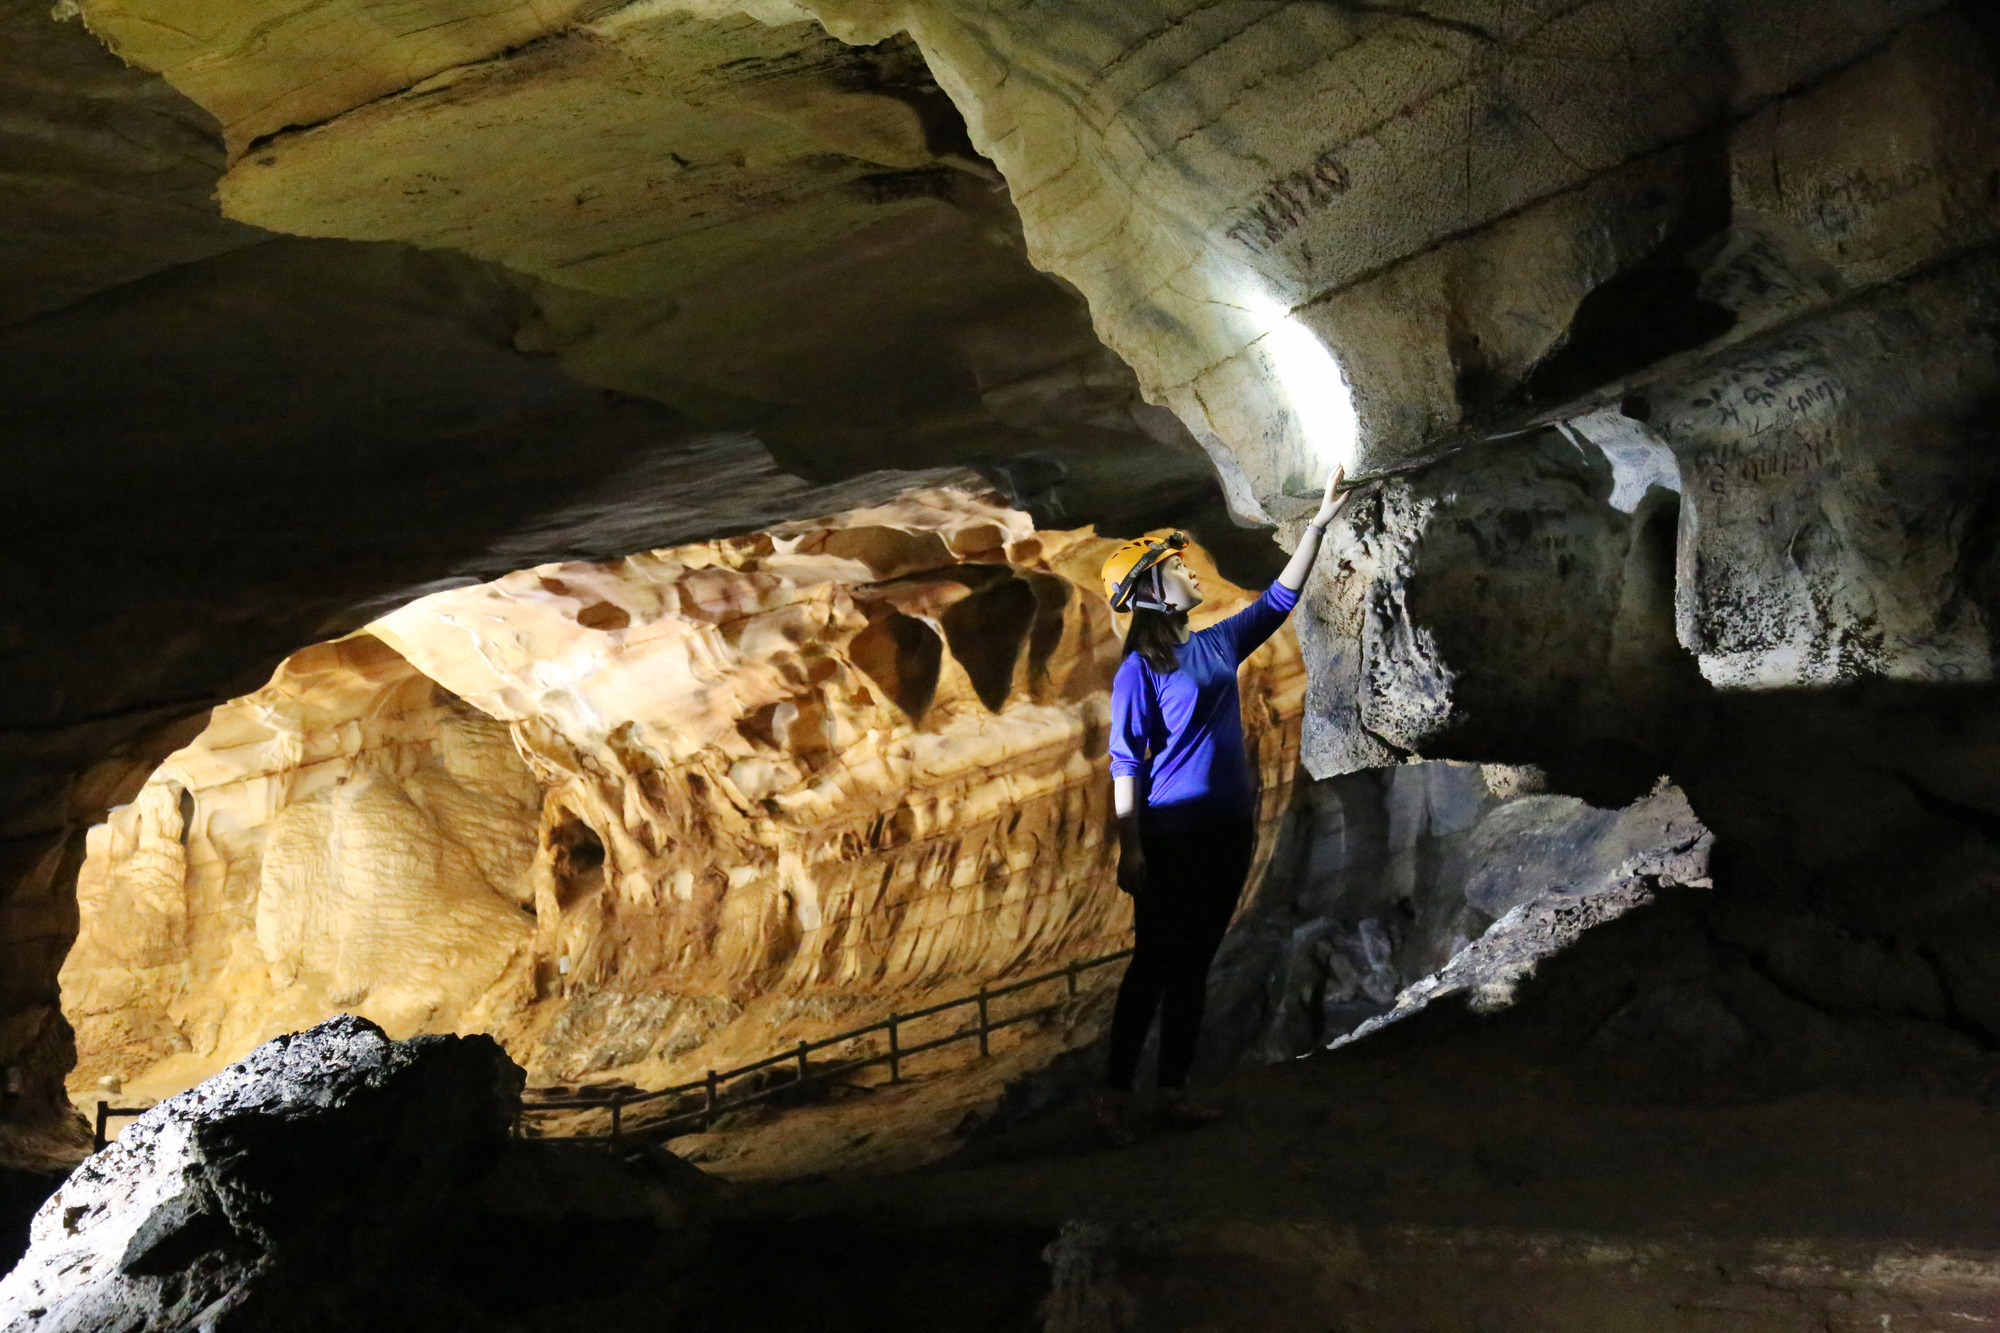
x=643, y=818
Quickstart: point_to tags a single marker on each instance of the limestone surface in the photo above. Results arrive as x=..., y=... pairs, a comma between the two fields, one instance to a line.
x=312, y=1172
x=644, y=818
x=336, y=1179
x=1391, y=889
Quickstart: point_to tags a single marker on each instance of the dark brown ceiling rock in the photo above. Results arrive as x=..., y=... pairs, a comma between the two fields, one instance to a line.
x=108, y=172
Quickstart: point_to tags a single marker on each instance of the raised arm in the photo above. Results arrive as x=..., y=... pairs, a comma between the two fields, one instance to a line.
x=1300, y=565
x=1257, y=622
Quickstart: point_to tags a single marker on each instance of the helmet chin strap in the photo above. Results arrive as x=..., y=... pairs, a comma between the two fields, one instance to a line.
x=1149, y=576
x=1158, y=601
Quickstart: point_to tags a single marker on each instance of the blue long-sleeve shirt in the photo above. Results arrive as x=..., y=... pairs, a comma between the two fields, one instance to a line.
x=1181, y=732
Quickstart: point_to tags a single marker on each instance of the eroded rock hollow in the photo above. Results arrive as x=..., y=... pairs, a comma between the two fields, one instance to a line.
x=645, y=818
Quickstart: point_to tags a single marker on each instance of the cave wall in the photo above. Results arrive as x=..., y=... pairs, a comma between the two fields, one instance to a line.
x=1483, y=213
x=229, y=442
x=1393, y=888
x=643, y=818
x=730, y=213
x=1661, y=333
x=1669, y=336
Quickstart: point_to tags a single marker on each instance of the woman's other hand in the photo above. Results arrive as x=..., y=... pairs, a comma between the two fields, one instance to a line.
x=1131, y=869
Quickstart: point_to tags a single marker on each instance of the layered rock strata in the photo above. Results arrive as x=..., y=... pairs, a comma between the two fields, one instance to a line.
x=169, y=371
x=1662, y=333
x=730, y=212
x=643, y=818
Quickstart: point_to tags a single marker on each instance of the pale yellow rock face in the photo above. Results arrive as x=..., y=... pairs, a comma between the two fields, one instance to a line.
x=262, y=65
x=348, y=837
x=644, y=818
x=628, y=157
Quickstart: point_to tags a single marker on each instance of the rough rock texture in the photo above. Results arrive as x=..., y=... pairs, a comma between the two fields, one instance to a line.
x=153, y=420
x=393, y=417
x=1508, y=605
x=644, y=818
x=1665, y=330
x=1393, y=888
x=1481, y=212
x=315, y=1171
x=333, y=1179
x=109, y=172
x=730, y=213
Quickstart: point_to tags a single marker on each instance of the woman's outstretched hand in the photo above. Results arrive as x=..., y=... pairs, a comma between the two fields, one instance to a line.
x=1293, y=576
x=1330, y=503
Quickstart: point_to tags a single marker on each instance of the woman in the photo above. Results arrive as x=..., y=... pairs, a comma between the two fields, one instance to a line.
x=1185, y=799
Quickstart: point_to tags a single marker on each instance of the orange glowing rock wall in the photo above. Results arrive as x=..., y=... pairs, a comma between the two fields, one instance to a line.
x=646, y=817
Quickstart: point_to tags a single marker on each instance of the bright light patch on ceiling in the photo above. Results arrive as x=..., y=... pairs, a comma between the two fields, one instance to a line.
x=1314, y=385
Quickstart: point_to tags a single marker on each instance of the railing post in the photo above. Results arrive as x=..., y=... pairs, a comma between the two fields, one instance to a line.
x=617, y=1105
x=103, y=1118
x=708, y=1118
x=895, y=1052
x=1069, y=974
x=982, y=1022
x=802, y=1062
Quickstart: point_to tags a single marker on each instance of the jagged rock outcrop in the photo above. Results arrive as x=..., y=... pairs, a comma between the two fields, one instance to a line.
x=1663, y=334
x=313, y=1172
x=643, y=818
x=1390, y=889
x=330, y=1179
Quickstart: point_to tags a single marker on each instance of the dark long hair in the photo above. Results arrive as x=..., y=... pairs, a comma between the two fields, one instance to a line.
x=1155, y=635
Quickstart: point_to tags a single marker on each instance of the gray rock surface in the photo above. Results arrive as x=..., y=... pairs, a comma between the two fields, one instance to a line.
x=307, y=1182
x=1394, y=888
x=336, y=1179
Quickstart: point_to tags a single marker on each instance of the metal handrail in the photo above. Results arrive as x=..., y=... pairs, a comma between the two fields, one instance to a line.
x=710, y=1086
x=105, y=1111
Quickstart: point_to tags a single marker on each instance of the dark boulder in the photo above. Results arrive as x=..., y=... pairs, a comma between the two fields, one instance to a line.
x=332, y=1179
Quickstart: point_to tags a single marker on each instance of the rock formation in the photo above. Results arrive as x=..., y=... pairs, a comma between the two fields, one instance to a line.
x=643, y=818
x=1659, y=336
x=397, y=418
x=1390, y=889
x=330, y=1178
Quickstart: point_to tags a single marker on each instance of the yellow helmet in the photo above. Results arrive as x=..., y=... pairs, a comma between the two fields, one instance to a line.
x=1126, y=586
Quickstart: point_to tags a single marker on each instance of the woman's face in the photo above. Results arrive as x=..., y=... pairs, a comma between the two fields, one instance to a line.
x=1180, y=586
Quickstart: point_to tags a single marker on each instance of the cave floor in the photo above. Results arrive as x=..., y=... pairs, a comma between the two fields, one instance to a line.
x=1365, y=1190
x=1347, y=1138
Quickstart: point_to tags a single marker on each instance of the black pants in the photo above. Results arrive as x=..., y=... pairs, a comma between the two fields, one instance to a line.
x=1192, y=883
